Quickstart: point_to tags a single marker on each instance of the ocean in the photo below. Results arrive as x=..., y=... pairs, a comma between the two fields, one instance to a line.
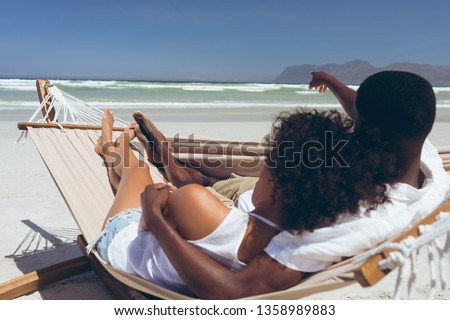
x=178, y=101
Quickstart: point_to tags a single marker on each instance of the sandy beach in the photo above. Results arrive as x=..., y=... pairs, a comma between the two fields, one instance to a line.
x=37, y=229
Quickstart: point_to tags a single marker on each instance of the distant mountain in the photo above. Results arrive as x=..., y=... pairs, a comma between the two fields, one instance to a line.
x=354, y=72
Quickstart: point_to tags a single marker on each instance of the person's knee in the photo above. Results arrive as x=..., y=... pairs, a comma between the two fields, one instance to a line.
x=199, y=197
x=194, y=194
x=193, y=190
x=195, y=211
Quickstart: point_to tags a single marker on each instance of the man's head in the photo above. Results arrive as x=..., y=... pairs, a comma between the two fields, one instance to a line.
x=401, y=104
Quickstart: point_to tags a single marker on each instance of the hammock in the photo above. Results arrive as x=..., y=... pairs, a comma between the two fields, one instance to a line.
x=68, y=152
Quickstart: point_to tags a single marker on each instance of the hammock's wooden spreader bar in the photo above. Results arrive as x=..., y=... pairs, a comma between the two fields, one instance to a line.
x=30, y=282
x=26, y=125
x=42, y=91
x=369, y=273
x=209, y=147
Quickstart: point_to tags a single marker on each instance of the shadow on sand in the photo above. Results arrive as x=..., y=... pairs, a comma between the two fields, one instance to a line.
x=45, y=246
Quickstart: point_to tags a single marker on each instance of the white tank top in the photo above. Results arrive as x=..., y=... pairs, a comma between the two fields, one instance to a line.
x=138, y=252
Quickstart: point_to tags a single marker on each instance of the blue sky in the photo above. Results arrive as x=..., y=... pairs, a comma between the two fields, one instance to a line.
x=214, y=40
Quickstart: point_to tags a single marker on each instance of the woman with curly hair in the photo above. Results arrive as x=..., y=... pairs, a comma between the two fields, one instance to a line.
x=324, y=182
x=303, y=185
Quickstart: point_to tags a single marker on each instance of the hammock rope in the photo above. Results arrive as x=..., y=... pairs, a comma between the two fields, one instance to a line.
x=69, y=110
x=405, y=258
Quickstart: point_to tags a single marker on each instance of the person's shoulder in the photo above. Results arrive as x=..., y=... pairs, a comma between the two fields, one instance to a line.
x=299, y=251
x=431, y=162
x=429, y=150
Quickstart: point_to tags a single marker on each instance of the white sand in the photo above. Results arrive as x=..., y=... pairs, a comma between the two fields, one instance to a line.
x=37, y=229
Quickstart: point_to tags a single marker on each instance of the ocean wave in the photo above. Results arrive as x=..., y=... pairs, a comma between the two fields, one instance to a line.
x=193, y=105
x=19, y=105
x=114, y=85
x=94, y=84
x=310, y=92
x=193, y=86
x=31, y=105
x=29, y=85
x=17, y=85
x=441, y=89
x=255, y=87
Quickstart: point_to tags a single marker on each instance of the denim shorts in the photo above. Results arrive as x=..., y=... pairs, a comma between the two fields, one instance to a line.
x=113, y=226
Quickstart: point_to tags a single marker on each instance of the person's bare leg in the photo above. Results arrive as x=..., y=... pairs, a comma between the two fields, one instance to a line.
x=133, y=182
x=133, y=174
x=176, y=172
x=104, y=148
x=123, y=153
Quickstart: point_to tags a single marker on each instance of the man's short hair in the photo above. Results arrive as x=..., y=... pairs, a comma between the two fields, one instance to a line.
x=402, y=104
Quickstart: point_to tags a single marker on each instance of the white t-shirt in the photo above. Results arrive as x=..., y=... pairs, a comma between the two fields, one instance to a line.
x=350, y=235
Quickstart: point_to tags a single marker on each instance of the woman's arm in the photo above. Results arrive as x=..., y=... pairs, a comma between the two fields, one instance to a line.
x=203, y=275
x=346, y=96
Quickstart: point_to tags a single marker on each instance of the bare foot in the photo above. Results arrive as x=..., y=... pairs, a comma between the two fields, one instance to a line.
x=105, y=140
x=172, y=167
x=150, y=131
x=176, y=172
x=149, y=147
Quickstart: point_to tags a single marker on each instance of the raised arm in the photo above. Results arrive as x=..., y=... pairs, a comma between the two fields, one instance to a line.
x=346, y=96
x=203, y=275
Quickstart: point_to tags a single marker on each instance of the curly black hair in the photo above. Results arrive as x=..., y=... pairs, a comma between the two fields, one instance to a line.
x=323, y=167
